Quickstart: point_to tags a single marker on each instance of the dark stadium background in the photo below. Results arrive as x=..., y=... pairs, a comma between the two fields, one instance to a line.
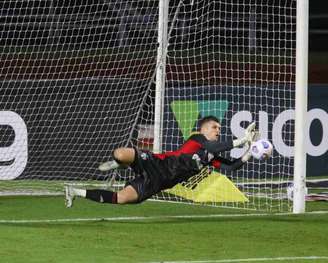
x=27, y=30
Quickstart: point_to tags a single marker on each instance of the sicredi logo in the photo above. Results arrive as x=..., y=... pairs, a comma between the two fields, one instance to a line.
x=13, y=158
x=277, y=135
x=187, y=112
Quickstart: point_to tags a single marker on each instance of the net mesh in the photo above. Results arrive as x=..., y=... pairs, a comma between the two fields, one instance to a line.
x=81, y=77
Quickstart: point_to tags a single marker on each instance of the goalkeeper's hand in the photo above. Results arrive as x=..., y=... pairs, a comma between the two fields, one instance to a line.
x=249, y=137
x=247, y=155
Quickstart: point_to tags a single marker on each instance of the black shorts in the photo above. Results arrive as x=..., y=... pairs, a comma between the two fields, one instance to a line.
x=155, y=175
x=147, y=181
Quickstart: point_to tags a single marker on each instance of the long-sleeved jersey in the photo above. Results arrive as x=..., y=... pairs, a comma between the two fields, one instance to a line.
x=205, y=151
x=162, y=171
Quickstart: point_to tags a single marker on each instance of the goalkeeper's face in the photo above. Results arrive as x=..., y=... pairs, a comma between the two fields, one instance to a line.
x=211, y=130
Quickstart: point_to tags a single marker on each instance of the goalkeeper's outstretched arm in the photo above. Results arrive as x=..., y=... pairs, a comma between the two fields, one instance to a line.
x=229, y=165
x=216, y=147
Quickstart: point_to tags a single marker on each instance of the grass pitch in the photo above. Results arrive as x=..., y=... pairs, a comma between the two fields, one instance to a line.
x=41, y=229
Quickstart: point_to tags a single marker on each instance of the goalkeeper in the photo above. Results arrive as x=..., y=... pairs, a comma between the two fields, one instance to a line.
x=157, y=172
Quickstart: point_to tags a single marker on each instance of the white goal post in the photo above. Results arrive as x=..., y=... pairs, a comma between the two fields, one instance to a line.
x=81, y=79
x=302, y=39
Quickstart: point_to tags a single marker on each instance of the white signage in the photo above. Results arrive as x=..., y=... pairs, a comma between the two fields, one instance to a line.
x=280, y=144
x=13, y=159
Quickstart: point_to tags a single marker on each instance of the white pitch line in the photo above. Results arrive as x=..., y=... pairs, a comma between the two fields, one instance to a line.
x=246, y=260
x=143, y=218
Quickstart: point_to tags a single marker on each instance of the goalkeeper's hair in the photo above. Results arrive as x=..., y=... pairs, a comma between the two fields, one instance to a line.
x=207, y=119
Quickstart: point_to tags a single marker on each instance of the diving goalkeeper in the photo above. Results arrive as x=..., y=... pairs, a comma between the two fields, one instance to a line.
x=157, y=172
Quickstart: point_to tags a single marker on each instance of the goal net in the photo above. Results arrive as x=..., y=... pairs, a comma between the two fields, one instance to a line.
x=78, y=80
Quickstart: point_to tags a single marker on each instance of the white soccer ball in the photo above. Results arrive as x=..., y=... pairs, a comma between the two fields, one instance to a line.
x=261, y=149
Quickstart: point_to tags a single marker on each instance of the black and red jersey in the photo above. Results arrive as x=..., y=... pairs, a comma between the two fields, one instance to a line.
x=162, y=171
x=198, y=147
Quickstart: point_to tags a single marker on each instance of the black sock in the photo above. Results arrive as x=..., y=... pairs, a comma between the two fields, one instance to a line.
x=102, y=196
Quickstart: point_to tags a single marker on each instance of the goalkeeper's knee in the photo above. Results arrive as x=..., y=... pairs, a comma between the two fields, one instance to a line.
x=118, y=156
x=124, y=156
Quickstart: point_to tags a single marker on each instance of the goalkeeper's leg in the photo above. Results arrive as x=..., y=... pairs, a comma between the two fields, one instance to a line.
x=125, y=196
x=123, y=157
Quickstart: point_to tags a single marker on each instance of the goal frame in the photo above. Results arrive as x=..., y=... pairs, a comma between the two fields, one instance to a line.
x=160, y=73
x=301, y=87
x=301, y=97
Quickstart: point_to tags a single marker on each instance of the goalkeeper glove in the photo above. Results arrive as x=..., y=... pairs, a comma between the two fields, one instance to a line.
x=247, y=155
x=249, y=136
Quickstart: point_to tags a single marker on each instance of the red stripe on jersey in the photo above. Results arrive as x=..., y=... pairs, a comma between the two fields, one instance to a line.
x=189, y=147
x=216, y=163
